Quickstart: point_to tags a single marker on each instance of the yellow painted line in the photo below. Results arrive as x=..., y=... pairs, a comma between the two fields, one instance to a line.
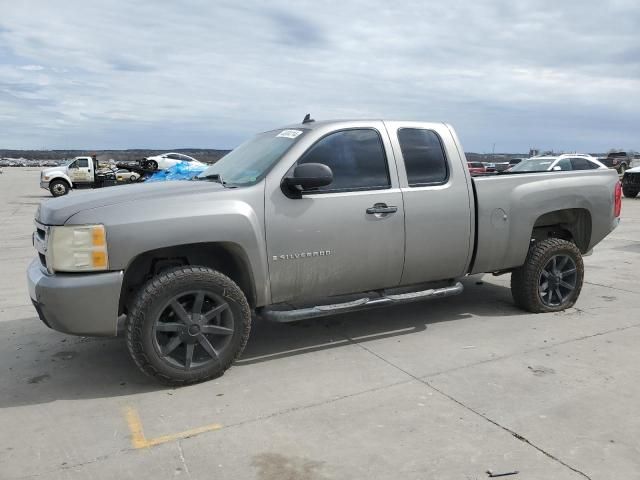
x=138, y=439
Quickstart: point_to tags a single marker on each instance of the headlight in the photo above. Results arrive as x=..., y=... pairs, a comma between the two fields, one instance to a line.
x=79, y=248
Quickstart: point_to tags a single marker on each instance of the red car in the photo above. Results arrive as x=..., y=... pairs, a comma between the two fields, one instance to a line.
x=476, y=168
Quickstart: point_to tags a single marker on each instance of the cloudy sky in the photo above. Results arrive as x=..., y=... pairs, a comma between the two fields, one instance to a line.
x=126, y=74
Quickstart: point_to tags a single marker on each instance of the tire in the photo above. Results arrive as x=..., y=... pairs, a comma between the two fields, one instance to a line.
x=556, y=262
x=152, y=165
x=59, y=188
x=165, y=325
x=629, y=192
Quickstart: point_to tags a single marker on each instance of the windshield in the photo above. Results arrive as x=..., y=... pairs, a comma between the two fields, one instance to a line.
x=534, y=165
x=251, y=161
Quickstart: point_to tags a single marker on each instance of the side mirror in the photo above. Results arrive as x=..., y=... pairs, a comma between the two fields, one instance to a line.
x=308, y=176
x=557, y=168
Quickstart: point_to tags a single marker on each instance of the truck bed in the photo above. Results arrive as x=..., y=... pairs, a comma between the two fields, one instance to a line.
x=509, y=206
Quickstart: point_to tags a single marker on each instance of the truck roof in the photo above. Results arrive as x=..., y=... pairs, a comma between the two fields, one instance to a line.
x=316, y=124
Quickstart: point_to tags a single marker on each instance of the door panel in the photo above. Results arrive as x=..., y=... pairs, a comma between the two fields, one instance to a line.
x=326, y=244
x=81, y=174
x=438, y=205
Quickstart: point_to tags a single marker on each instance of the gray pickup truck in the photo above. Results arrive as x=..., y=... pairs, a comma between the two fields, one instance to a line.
x=308, y=220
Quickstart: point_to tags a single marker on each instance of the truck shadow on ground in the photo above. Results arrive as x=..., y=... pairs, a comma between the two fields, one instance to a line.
x=43, y=366
x=270, y=341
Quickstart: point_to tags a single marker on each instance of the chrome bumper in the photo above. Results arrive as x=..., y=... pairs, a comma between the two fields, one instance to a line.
x=79, y=304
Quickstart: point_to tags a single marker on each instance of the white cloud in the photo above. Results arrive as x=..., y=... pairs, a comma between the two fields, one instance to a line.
x=198, y=73
x=32, y=68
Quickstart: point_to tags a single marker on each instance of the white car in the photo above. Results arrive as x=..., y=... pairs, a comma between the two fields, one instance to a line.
x=568, y=161
x=126, y=176
x=167, y=160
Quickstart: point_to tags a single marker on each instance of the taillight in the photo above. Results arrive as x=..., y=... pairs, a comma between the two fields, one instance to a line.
x=617, y=204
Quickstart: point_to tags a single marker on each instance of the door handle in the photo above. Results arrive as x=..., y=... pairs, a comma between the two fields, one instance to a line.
x=381, y=208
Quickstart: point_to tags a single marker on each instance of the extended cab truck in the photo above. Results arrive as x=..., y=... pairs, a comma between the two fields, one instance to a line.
x=304, y=221
x=621, y=161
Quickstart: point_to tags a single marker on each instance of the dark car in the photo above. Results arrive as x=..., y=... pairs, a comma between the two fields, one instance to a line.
x=631, y=182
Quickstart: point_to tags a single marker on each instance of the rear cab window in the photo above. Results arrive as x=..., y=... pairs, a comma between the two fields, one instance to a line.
x=424, y=157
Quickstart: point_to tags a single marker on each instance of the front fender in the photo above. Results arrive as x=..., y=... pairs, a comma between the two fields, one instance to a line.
x=61, y=176
x=135, y=229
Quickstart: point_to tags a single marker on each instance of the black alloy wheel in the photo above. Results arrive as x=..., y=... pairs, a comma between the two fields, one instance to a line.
x=193, y=329
x=551, y=278
x=558, y=280
x=187, y=324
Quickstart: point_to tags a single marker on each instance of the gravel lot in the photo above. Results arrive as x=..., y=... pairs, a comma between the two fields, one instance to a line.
x=445, y=389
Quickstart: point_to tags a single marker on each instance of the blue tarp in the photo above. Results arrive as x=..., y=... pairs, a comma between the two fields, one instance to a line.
x=180, y=171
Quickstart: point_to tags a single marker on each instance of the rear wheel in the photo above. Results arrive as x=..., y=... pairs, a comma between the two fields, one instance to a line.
x=58, y=188
x=188, y=325
x=629, y=192
x=551, y=278
x=152, y=165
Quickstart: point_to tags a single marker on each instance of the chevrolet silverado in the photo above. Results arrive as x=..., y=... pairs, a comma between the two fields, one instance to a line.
x=307, y=220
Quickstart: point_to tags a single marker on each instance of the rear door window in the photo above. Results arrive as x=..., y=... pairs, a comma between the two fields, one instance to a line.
x=424, y=158
x=356, y=157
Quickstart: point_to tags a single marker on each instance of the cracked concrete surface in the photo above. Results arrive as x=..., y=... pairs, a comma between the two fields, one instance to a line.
x=445, y=389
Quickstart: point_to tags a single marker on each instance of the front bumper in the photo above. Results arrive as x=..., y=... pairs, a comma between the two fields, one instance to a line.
x=79, y=304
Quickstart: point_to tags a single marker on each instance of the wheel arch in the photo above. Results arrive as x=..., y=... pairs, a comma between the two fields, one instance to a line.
x=572, y=224
x=62, y=178
x=226, y=257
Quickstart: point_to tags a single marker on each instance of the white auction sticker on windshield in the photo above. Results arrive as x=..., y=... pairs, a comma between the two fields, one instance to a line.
x=289, y=133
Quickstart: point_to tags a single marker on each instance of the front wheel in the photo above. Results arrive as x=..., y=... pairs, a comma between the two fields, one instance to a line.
x=188, y=325
x=551, y=278
x=58, y=188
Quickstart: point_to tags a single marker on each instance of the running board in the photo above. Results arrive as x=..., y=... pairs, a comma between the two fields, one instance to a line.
x=285, y=316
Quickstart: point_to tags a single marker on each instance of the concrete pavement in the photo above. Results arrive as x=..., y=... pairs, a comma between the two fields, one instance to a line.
x=445, y=389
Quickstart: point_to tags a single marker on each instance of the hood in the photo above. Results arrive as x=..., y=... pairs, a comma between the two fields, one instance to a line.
x=633, y=170
x=51, y=170
x=58, y=210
